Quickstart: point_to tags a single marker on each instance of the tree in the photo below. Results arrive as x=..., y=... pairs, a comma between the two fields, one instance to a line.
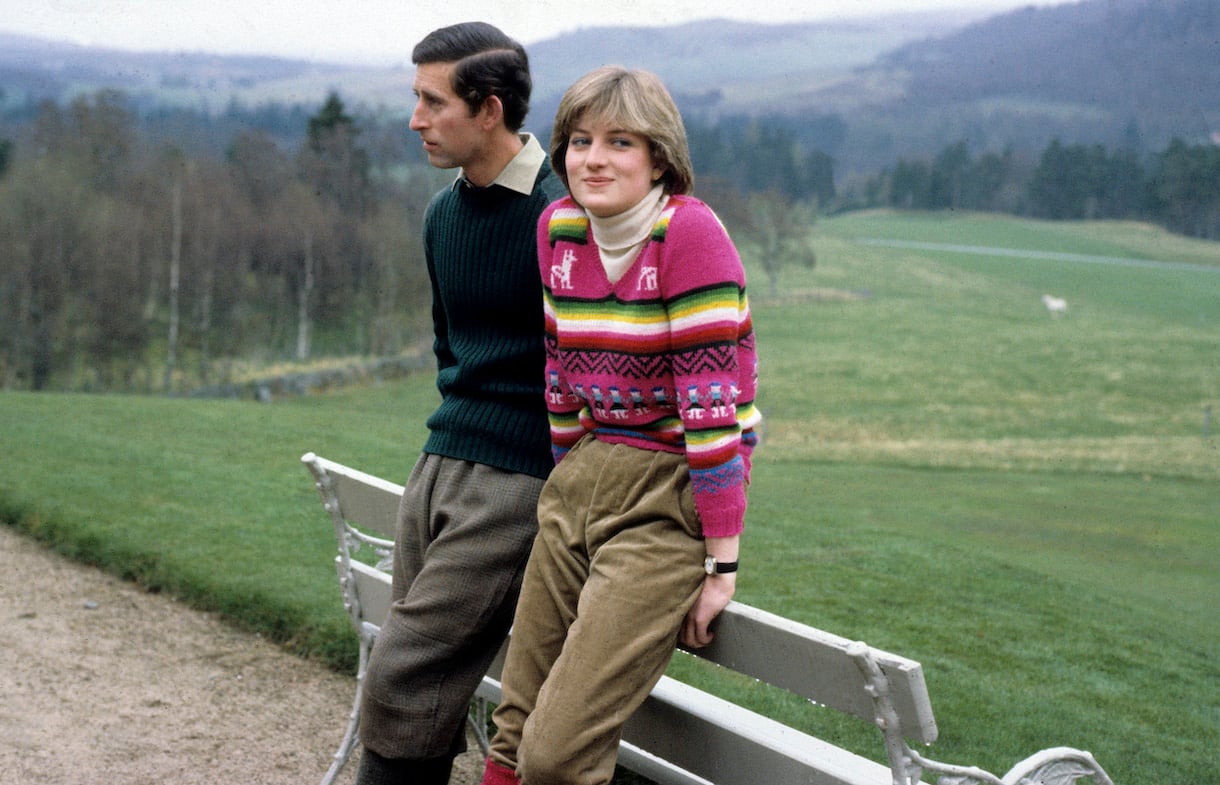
x=175, y=272
x=819, y=178
x=42, y=242
x=769, y=226
x=259, y=169
x=910, y=185
x=763, y=154
x=217, y=229
x=1125, y=185
x=1185, y=189
x=114, y=335
x=782, y=230
x=302, y=225
x=989, y=175
x=950, y=172
x=332, y=161
x=397, y=298
x=1069, y=182
x=95, y=133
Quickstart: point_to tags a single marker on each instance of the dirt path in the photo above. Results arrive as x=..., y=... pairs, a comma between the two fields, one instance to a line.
x=101, y=682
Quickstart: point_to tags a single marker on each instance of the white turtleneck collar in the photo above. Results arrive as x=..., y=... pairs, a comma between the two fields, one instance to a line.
x=620, y=237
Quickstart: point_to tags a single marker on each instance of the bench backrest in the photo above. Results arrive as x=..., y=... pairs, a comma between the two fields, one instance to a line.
x=683, y=735
x=818, y=666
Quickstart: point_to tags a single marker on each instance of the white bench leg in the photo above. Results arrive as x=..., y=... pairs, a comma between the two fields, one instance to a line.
x=1057, y=766
x=350, y=739
x=478, y=723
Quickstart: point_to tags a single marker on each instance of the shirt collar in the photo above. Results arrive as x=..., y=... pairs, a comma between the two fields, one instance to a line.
x=522, y=171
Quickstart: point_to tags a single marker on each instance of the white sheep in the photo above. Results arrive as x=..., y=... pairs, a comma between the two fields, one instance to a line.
x=1055, y=305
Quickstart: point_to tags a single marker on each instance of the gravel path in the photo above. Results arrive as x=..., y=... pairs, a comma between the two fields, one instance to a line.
x=101, y=682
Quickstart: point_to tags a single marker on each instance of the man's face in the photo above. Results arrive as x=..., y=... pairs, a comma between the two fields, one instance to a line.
x=451, y=136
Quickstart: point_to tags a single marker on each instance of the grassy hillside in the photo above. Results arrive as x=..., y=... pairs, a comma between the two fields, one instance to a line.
x=1025, y=504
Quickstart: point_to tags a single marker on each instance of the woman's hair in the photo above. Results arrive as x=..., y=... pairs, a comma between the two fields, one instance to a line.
x=486, y=62
x=634, y=101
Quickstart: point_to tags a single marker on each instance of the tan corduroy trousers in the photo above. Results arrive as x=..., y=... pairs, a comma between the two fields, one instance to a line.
x=617, y=563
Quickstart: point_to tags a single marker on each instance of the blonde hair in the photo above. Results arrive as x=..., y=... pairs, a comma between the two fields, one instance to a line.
x=634, y=101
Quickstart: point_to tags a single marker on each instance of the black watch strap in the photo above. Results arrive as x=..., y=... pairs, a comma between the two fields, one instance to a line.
x=712, y=566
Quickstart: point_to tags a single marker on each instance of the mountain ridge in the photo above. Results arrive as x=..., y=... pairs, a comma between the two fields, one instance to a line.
x=1132, y=73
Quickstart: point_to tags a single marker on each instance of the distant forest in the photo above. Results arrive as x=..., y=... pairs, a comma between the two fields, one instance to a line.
x=164, y=251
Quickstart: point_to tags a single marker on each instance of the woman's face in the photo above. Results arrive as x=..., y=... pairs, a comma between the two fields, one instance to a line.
x=609, y=170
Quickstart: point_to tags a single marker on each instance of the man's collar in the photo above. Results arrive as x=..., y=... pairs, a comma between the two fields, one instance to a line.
x=521, y=172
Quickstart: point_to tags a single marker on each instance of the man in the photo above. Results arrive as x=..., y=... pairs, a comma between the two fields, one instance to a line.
x=469, y=513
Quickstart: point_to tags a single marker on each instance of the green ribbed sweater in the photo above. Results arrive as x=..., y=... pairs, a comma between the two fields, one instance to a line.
x=487, y=315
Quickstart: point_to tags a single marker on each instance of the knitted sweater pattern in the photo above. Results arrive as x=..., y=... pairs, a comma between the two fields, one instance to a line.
x=662, y=359
x=488, y=329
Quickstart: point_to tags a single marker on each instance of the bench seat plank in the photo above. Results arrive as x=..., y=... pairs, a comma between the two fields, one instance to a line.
x=373, y=589
x=685, y=736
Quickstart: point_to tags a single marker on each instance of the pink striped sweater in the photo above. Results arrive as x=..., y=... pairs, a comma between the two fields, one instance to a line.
x=664, y=358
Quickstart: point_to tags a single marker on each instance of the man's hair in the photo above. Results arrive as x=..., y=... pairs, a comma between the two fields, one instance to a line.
x=486, y=62
x=634, y=101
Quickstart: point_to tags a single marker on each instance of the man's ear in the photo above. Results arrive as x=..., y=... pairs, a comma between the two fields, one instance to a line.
x=491, y=113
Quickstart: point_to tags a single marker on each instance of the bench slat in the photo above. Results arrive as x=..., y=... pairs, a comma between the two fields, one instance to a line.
x=729, y=745
x=814, y=664
x=684, y=736
x=373, y=588
x=369, y=503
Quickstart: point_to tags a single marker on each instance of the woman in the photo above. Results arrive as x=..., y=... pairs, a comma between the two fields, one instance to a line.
x=651, y=374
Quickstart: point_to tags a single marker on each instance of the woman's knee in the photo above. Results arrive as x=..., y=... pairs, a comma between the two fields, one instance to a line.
x=545, y=767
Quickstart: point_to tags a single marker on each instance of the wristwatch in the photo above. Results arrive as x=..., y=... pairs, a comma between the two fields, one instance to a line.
x=713, y=567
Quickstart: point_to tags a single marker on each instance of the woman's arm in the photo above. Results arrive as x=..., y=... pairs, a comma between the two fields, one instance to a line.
x=717, y=590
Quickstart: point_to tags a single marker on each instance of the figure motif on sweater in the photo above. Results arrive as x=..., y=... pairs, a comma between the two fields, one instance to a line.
x=648, y=279
x=561, y=274
x=661, y=359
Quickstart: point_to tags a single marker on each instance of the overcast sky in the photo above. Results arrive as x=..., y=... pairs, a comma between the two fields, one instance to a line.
x=382, y=32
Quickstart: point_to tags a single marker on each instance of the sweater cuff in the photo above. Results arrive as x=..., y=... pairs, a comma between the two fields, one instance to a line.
x=722, y=514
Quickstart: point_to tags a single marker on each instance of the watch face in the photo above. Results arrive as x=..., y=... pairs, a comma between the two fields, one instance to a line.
x=709, y=565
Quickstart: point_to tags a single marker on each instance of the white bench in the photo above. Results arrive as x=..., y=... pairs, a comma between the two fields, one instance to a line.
x=686, y=736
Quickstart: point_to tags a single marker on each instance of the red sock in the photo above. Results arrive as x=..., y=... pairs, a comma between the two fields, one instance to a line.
x=495, y=774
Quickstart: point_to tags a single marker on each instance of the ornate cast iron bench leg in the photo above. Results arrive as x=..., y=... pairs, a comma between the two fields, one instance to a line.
x=350, y=738
x=1055, y=766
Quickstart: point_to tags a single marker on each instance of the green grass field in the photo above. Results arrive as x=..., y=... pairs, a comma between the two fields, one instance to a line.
x=1027, y=505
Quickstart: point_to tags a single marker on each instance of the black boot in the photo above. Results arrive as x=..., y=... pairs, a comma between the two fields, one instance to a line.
x=376, y=770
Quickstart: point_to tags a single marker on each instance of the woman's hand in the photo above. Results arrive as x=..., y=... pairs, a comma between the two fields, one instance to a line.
x=715, y=595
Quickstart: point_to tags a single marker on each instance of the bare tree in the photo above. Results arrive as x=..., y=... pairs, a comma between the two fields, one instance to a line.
x=782, y=231
x=260, y=171
x=42, y=203
x=215, y=208
x=398, y=291
x=175, y=271
x=302, y=231
x=771, y=228
x=113, y=336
